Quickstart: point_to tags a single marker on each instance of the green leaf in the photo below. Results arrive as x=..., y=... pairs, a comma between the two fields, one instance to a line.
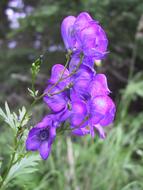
x=8, y=116
x=26, y=165
x=135, y=86
x=12, y=119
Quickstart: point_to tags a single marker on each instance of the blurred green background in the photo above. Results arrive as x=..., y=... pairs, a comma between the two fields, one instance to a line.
x=29, y=28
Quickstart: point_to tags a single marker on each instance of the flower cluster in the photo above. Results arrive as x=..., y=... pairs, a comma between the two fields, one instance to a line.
x=76, y=95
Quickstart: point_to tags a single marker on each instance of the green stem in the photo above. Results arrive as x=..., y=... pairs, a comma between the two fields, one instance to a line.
x=11, y=163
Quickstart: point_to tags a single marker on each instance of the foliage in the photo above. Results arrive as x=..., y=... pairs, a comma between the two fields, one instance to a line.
x=113, y=164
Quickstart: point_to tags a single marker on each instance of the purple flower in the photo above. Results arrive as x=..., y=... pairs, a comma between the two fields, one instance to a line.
x=41, y=137
x=94, y=104
x=67, y=31
x=57, y=101
x=78, y=95
x=59, y=70
x=91, y=37
x=96, y=113
x=57, y=94
x=98, y=86
x=83, y=34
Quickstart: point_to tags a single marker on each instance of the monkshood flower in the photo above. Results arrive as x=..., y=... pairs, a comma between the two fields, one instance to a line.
x=83, y=34
x=41, y=137
x=95, y=113
x=57, y=92
x=94, y=109
x=58, y=73
x=57, y=101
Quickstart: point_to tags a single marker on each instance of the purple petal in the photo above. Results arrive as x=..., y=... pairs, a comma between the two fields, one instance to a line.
x=63, y=115
x=101, y=131
x=68, y=32
x=75, y=60
x=52, y=133
x=45, y=150
x=57, y=72
x=89, y=62
x=82, y=21
x=101, y=107
x=84, y=72
x=80, y=132
x=92, y=132
x=55, y=102
x=82, y=79
x=32, y=142
x=99, y=86
x=94, y=41
x=46, y=121
x=110, y=115
x=79, y=112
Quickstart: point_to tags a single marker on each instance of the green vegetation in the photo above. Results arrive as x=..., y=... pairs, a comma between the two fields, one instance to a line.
x=76, y=163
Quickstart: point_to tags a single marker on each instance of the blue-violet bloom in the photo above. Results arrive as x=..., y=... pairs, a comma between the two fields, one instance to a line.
x=83, y=34
x=41, y=137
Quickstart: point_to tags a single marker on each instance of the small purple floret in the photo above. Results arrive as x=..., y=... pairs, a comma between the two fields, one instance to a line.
x=41, y=137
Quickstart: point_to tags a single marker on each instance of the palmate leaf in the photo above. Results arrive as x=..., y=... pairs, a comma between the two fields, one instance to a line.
x=25, y=166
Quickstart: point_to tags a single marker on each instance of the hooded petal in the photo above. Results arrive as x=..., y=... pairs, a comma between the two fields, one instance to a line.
x=100, y=108
x=99, y=86
x=59, y=70
x=67, y=32
x=110, y=114
x=82, y=21
x=45, y=150
x=94, y=41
